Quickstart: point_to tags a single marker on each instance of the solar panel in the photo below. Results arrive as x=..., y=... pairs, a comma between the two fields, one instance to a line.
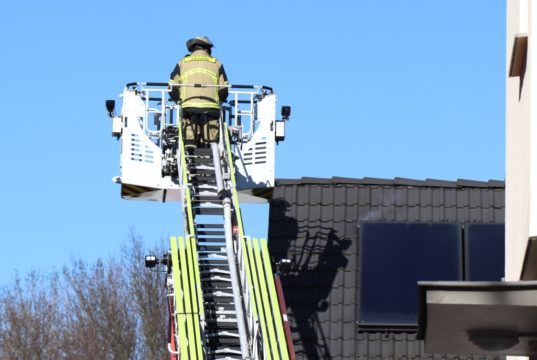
x=393, y=258
x=484, y=252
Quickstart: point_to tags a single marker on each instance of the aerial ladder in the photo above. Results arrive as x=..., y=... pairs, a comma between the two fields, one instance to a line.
x=224, y=300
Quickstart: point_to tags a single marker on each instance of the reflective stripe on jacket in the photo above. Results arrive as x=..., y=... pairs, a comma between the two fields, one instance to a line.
x=200, y=68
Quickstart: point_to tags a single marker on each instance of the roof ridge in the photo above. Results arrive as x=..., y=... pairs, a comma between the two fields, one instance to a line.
x=397, y=181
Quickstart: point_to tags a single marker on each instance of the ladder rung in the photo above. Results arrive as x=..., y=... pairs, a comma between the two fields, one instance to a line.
x=208, y=211
x=214, y=271
x=210, y=226
x=211, y=241
x=219, y=294
x=213, y=232
x=227, y=351
x=212, y=199
x=216, y=278
x=202, y=151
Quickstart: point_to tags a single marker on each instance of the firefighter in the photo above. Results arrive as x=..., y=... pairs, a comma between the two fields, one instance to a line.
x=200, y=105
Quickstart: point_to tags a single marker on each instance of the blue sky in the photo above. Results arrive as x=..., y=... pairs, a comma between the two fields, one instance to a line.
x=382, y=89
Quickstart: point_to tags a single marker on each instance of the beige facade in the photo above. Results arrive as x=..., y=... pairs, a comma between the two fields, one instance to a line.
x=521, y=124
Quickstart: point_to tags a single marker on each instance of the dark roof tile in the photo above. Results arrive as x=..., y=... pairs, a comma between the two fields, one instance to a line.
x=377, y=196
x=352, y=194
x=499, y=215
x=450, y=214
x=388, y=213
x=413, y=196
x=401, y=196
x=487, y=198
x=463, y=198
x=315, y=180
x=302, y=213
x=426, y=196
x=440, y=183
x=438, y=197
x=328, y=194
x=340, y=196
x=401, y=214
x=496, y=184
x=327, y=213
x=475, y=198
x=315, y=212
x=471, y=183
x=287, y=230
x=339, y=213
x=413, y=213
x=290, y=194
x=345, y=180
x=463, y=214
x=388, y=196
x=286, y=182
x=315, y=194
x=377, y=181
x=499, y=199
x=407, y=182
x=303, y=196
x=349, y=327
x=364, y=195
x=426, y=214
x=450, y=197
x=487, y=215
x=438, y=214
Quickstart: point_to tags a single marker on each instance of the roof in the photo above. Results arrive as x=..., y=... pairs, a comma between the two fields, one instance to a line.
x=314, y=222
x=398, y=181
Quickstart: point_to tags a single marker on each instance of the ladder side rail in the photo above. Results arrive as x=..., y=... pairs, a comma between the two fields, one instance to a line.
x=245, y=281
x=178, y=308
x=188, y=313
x=283, y=309
x=199, y=292
x=259, y=301
x=274, y=301
x=192, y=281
x=252, y=302
x=236, y=285
x=264, y=292
x=185, y=186
x=256, y=325
x=217, y=169
x=265, y=300
x=172, y=331
x=183, y=174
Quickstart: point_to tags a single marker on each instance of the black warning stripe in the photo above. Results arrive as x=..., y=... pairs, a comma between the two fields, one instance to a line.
x=129, y=190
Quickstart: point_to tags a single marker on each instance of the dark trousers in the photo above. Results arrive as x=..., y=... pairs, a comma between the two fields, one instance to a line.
x=200, y=127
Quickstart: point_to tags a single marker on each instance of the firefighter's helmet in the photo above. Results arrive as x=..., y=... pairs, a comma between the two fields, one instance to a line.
x=202, y=41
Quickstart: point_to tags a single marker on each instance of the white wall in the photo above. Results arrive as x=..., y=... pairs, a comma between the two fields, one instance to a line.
x=519, y=117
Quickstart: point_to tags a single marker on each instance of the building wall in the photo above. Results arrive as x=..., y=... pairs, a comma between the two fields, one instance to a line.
x=518, y=145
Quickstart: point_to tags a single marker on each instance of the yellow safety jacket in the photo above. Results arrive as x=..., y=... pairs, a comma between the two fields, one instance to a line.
x=199, y=68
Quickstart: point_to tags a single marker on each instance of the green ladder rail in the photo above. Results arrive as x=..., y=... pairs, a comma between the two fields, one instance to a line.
x=188, y=308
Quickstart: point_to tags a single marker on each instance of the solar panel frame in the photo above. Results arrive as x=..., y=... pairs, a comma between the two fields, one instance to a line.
x=393, y=257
